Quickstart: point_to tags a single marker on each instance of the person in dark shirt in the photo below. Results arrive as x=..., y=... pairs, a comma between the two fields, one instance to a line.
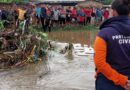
x=27, y=16
x=112, y=50
x=49, y=19
x=68, y=15
x=43, y=17
x=4, y=14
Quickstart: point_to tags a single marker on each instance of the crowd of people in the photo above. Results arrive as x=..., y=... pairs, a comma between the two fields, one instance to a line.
x=50, y=16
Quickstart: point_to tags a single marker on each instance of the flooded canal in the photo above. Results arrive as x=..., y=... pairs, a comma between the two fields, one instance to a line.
x=59, y=72
x=83, y=37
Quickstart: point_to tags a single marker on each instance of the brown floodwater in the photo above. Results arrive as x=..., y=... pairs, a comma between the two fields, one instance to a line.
x=83, y=37
x=59, y=71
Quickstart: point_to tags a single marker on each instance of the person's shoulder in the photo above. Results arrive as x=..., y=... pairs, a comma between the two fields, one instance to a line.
x=105, y=32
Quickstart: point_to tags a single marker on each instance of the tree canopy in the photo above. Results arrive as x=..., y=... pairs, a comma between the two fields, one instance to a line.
x=107, y=2
x=14, y=1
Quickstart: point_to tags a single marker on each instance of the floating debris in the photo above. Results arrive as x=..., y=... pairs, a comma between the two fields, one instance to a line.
x=75, y=49
x=17, y=49
x=83, y=50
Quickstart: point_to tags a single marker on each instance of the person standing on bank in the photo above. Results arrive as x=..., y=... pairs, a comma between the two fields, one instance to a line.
x=112, y=49
x=43, y=17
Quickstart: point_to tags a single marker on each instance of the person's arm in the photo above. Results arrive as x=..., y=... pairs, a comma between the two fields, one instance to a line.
x=103, y=67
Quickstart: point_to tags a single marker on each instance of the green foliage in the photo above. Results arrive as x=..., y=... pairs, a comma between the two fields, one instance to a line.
x=40, y=34
x=1, y=26
x=42, y=40
x=107, y=2
x=14, y=1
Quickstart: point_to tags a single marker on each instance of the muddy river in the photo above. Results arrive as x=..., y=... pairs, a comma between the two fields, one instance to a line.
x=59, y=72
x=83, y=37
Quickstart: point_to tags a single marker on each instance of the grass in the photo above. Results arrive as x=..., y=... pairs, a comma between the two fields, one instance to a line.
x=79, y=28
x=70, y=28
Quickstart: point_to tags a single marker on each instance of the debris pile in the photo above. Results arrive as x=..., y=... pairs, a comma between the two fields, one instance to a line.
x=18, y=49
